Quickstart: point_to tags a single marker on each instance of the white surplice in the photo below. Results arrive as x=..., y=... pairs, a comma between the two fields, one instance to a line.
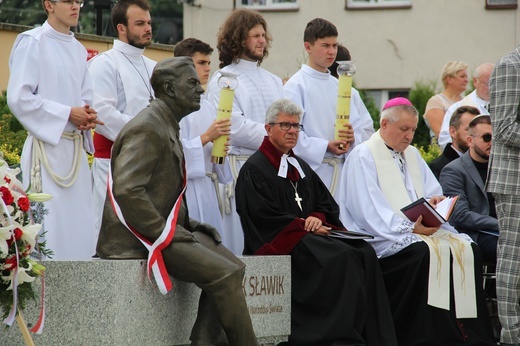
x=49, y=76
x=121, y=82
x=201, y=191
x=317, y=94
x=256, y=91
x=471, y=100
x=376, y=184
x=365, y=208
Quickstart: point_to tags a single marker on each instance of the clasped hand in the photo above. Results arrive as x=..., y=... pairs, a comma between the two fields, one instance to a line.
x=85, y=118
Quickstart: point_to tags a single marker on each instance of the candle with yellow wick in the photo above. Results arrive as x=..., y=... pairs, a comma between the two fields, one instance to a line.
x=228, y=84
x=346, y=70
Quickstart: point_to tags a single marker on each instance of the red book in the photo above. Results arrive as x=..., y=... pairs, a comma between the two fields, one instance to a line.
x=432, y=217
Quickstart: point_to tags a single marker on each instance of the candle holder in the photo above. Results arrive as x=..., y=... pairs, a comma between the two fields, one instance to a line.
x=227, y=82
x=346, y=69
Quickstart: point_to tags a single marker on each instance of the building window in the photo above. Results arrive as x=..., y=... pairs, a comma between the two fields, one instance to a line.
x=369, y=4
x=268, y=5
x=490, y=4
x=380, y=96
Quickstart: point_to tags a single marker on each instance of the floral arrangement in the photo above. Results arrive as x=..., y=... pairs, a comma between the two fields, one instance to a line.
x=20, y=221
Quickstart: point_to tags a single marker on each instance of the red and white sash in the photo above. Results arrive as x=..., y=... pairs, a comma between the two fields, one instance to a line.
x=155, y=258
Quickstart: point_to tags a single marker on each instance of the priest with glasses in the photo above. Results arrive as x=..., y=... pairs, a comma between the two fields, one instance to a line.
x=338, y=294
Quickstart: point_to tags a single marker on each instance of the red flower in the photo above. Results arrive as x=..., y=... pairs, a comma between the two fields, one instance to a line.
x=6, y=195
x=17, y=233
x=7, y=180
x=10, y=263
x=23, y=204
x=27, y=251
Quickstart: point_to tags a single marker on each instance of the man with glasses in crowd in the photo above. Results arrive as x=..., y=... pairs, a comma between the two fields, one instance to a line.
x=50, y=93
x=338, y=294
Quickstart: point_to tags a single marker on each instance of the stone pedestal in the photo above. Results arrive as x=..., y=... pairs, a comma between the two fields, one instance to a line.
x=111, y=302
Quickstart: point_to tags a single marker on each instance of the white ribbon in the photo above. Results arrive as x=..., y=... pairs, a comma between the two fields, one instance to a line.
x=284, y=166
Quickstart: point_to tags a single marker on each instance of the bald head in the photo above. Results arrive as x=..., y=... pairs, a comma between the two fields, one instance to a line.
x=481, y=80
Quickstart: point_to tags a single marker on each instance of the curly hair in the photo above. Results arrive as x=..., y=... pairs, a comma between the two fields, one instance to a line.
x=233, y=34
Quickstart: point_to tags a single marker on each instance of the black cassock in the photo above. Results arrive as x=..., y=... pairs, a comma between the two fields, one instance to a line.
x=338, y=294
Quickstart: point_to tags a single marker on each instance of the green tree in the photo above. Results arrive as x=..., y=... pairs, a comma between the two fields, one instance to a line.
x=22, y=12
x=372, y=108
x=166, y=17
x=419, y=96
x=12, y=133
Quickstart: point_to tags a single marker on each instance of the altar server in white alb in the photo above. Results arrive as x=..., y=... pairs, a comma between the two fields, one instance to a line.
x=433, y=275
x=50, y=93
x=315, y=90
x=198, y=130
x=121, y=81
x=256, y=91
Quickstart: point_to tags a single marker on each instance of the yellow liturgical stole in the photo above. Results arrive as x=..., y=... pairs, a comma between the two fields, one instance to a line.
x=440, y=244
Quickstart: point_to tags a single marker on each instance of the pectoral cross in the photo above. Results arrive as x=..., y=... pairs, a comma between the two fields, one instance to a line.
x=298, y=199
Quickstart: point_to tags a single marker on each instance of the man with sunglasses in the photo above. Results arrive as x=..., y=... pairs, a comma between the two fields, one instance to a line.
x=50, y=93
x=459, y=121
x=338, y=295
x=475, y=212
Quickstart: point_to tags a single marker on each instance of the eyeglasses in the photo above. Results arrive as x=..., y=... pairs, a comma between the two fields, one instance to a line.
x=486, y=137
x=70, y=2
x=286, y=126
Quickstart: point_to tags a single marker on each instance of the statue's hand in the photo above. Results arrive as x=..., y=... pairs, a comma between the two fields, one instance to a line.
x=209, y=231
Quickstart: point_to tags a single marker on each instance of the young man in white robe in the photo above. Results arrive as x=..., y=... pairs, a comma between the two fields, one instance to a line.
x=50, y=93
x=121, y=81
x=433, y=275
x=315, y=90
x=257, y=89
x=198, y=131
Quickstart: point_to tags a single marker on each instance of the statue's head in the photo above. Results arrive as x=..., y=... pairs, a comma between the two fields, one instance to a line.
x=175, y=81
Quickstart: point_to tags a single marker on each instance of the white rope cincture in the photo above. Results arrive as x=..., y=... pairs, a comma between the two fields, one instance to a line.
x=333, y=161
x=39, y=158
x=214, y=180
x=229, y=190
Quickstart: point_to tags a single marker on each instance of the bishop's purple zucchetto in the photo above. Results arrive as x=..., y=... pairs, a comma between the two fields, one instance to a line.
x=398, y=101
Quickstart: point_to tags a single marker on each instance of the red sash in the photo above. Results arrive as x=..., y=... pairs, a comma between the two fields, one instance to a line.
x=102, y=146
x=155, y=258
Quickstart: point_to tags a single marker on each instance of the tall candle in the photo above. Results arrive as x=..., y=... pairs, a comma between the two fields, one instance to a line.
x=343, y=105
x=225, y=105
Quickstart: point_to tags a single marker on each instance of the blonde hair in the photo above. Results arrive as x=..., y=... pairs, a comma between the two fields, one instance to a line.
x=450, y=70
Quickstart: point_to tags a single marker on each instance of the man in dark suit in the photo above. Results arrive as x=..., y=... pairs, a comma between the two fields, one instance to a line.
x=147, y=169
x=459, y=133
x=465, y=177
x=504, y=182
